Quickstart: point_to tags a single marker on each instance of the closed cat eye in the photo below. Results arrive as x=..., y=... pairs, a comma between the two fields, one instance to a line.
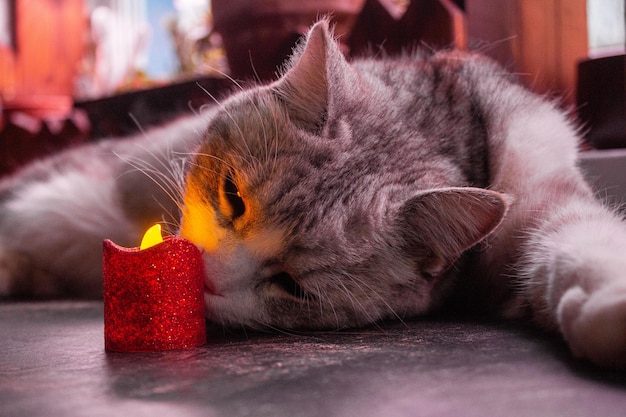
x=287, y=284
x=233, y=196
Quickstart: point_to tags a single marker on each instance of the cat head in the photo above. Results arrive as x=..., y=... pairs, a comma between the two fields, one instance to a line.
x=310, y=216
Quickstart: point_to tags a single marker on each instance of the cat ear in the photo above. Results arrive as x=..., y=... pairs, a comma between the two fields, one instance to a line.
x=315, y=69
x=439, y=225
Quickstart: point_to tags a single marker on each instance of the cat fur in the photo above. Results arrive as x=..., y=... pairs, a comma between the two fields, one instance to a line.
x=342, y=194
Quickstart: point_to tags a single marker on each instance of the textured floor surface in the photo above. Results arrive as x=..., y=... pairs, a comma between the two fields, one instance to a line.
x=53, y=363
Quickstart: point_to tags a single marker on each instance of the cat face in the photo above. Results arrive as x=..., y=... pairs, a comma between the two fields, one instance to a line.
x=301, y=219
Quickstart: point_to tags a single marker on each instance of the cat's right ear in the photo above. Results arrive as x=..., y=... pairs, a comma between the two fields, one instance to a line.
x=316, y=72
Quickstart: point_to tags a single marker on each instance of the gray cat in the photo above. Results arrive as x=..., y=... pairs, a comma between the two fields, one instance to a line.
x=343, y=194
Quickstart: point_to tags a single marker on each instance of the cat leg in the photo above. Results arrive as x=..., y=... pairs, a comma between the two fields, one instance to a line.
x=576, y=280
x=55, y=213
x=51, y=235
x=567, y=250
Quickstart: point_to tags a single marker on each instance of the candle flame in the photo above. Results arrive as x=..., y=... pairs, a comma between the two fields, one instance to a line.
x=152, y=237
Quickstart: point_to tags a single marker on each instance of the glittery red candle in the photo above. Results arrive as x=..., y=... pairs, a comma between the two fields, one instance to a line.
x=153, y=298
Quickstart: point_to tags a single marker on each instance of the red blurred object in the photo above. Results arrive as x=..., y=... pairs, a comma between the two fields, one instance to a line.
x=38, y=66
x=153, y=298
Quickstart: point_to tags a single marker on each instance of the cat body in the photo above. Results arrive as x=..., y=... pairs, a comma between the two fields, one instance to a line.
x=343, y=194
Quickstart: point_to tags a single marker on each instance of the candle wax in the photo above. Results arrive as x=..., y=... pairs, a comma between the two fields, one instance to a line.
x=153, y=298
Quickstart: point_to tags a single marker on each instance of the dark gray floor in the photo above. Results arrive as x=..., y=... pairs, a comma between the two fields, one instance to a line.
x=52, y=363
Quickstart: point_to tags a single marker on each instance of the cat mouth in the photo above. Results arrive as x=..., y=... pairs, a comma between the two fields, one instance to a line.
x=209, y=288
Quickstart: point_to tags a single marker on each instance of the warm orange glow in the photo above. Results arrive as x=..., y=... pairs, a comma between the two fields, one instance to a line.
x=199, y=224
x=152, y=237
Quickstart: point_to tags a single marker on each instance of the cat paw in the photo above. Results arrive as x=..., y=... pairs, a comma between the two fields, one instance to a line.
x=594, y=325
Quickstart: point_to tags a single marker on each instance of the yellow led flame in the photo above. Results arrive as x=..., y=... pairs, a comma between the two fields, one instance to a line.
x=152, y=237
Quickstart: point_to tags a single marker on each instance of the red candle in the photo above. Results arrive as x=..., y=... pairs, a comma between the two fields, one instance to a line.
x=153, y=297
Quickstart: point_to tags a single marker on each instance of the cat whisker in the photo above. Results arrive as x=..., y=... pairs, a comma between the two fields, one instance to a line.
x=200, y=110
x=262, y=124
x=270, y=329
x=225, y=75
x=254, y=71
x=329, y=302
x=248, y=160
x=363, y=284
x=136, y=122
x=206, y=169
x=333, y=309
x=215, y=100
x=229, y=114
x=154, y=176
x=171, y=227
x=320, y=295
x=356, y=305
x=167, y=173
x=276, y=143
x=167, y=163
x=484, y=46
x=159, y=178
x=173, y=183
x=206, y=155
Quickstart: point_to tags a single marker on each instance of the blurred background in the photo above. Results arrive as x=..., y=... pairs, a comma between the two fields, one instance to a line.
x=73, y=71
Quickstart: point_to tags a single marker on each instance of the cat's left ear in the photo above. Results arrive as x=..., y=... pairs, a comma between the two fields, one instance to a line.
x=316, y=73
x=439, y=225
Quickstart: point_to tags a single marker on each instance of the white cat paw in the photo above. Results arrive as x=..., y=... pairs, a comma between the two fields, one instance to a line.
x=594, y=325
